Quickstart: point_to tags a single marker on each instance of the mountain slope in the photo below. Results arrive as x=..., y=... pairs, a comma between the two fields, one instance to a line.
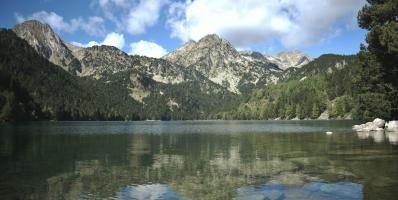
x=286, y=60
x=58, y=94
x=220, y=62
x=324, y=86
x=42, y=38
x=42, y=77
x=126, y=94
x=283, y=60
x=325, y=64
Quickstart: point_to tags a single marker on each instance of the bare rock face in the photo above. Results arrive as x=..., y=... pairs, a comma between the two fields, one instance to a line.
x=254, y=55
x=97, y=60
x=210, y=50
x=43, y=39
x=107, y=63
x=220, y=62
x=285, y=60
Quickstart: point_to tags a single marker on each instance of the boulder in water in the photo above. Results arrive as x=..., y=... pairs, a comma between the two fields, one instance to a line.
x=376, y=125
x=379, y=123
x=392, y=126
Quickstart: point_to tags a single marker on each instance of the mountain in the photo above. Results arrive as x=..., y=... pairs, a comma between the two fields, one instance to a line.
x=44, y=77
x=324, y=64
x=42, y=38
x=283, y=60
x=220, y=62
x=294, y=59
x=323, y=88
x=109, y=84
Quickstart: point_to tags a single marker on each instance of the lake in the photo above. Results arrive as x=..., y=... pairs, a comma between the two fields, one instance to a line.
x=196, y=160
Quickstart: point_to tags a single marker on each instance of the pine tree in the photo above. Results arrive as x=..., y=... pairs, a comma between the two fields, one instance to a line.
x=315, y=111
x=378, y=77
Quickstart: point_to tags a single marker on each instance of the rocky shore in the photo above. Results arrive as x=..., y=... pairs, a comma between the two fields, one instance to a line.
x=377, y=125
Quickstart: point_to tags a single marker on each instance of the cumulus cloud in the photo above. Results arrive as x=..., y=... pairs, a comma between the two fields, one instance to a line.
x=93, y=25
x=133, y=17
x=144, y=15
x=112, y=39
x=295, y=23
x=145, y=48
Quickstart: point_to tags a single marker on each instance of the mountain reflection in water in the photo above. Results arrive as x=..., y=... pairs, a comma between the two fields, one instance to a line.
x=196, y=160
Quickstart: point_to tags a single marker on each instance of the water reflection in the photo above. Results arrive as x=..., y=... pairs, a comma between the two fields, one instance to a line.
x=196, y=165
x=314, y=190
x=148, y=192
x=393, y=137
x=379, y=136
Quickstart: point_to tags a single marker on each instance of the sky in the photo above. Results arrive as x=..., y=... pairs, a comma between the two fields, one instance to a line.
x=156, y=27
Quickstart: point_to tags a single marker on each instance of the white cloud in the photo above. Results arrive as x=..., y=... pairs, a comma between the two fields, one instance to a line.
x=145, y=48
x=133, y=17
x=89, y=44
x=112, y=39
x=295, y=23
x=93, y=25
x=144, y=15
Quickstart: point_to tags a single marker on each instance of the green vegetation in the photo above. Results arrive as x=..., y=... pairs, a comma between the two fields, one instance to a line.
x=307, y=97
x=32, y=88
x=362, y=86
x=377, y=82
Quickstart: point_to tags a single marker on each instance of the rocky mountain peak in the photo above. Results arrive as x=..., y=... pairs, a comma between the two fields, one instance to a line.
x=291, y=54
x=43, y=39
x=214, y=43
x=210, y=49
x=33, y=25
x=288, y=59
x=210, y=37
x=218, y=60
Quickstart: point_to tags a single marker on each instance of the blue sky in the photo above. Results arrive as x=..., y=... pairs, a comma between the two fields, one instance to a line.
x=155, y=27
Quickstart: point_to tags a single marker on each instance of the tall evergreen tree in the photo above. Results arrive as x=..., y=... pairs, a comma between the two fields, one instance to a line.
x=378, y=77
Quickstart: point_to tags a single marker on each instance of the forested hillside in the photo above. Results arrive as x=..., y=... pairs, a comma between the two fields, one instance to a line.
x=44, y=77
x=325, y=84
x=33, y=88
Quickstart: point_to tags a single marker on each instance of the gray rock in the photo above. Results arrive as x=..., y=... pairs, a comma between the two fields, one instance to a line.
x=392, y=126
x=376, y=125
x=293, y=59
x=216, y=59
x=379, y=122
x=324, y=115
